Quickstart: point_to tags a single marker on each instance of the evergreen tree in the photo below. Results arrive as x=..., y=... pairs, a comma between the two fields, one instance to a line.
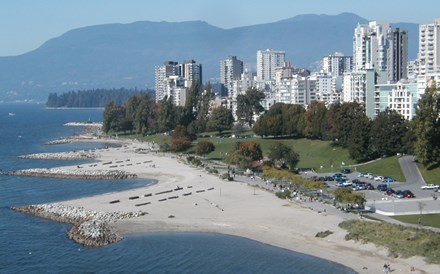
x=427, y=128
x=387, y=134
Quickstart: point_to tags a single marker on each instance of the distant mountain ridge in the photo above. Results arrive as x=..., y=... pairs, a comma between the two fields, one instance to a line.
x=124, y=55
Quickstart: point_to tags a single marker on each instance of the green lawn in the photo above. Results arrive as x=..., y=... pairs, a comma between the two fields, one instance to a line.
x=313, y=154
x=425, y=219
x=431, y=176
x=386, y=167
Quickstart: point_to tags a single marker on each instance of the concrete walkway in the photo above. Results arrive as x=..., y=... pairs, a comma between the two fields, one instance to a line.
x=411, y=171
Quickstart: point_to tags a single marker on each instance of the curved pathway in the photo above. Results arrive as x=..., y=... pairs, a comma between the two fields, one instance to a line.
x=411, y=171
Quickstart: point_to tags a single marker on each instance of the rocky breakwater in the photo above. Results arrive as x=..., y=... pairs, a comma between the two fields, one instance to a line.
x=90, y=228
x=73, y=173
x=71, y=155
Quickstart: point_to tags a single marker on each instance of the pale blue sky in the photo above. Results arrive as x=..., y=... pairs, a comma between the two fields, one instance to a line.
x=26, y=24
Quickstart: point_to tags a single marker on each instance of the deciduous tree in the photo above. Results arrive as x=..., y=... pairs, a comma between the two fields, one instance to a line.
x=283, y=156
x=220, y=119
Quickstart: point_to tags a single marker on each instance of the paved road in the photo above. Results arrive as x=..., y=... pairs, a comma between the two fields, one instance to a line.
x=411, y=171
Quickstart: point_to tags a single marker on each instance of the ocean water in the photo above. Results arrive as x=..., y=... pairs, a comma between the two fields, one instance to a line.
x=30, y=244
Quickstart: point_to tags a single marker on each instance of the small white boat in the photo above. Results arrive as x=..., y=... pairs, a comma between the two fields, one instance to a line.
x=11, y=114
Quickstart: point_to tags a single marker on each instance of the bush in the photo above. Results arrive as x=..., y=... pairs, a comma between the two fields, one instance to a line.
x=323, y=234
x=283, y=195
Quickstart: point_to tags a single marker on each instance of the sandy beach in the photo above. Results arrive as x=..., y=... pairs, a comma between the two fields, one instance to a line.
x=186, y=198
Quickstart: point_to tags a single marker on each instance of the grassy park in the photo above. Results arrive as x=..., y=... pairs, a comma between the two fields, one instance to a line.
x=313, y=154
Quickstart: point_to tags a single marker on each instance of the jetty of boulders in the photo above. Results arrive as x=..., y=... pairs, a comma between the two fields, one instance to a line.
x=90, y=228
x=70, y=155
x=73, y=173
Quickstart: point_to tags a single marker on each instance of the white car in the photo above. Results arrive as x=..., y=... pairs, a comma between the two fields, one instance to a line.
x=430, y=186
x=379, y=178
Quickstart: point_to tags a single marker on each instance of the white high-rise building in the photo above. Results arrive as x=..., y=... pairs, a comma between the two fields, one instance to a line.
x=369, y=46
x=230, y=70
x=191, y=72
x=401, y=97
x=267, y=61
x=172, y=78
x=162, y=72
x=337, y=64
x=429, y=48
x=380, y=47
x=327, y=87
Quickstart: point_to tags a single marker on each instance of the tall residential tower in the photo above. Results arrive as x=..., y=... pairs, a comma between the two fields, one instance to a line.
x=267, y=61
x=230, y=71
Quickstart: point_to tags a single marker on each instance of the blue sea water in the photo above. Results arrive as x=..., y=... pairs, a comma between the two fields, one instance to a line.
x=30, y=244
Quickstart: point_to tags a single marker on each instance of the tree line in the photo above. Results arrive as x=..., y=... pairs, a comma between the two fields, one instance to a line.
x=343, y=124
x=91, y=98
x=141, y=114
x=346, y=125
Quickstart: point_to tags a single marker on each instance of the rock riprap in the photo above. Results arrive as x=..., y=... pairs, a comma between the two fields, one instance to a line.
x=90, y=228
x=73, y=173
x=71, y=155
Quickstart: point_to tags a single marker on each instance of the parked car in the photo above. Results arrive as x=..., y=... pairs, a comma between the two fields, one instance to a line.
x=408, y=194
x=390, y=192
x=399, y=194
x=382, y=187
x=362, y=174
x=430, y=186
x=345, y=171
x=358, y=185
x=379, y=178
x=389, y=179
x=337, y=175
x=339, y=183
x=369, y=186
x=370, y=176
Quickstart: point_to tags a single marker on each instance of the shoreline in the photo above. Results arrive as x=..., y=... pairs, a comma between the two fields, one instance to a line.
x=231, y=208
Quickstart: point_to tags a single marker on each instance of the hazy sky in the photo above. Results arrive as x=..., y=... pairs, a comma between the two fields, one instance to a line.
x=26, y=24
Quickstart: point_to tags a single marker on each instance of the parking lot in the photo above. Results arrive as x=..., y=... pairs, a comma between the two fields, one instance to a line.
x=389, y=205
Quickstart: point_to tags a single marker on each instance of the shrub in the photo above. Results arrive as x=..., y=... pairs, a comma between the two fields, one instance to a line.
x=283, y=195
x=323, y=234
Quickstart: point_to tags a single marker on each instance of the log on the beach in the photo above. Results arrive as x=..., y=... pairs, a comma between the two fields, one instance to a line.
x=142, y=204
x=163, y=192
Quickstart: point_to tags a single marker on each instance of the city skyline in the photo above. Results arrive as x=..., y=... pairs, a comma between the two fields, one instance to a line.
x=26, y=25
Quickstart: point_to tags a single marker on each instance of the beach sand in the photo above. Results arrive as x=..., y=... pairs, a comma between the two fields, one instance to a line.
x=195, y=201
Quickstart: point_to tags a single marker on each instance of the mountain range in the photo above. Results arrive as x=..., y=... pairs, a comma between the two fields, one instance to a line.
x=124, y=55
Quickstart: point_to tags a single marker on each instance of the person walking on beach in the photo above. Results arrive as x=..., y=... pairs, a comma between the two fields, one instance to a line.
x=386, y=268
